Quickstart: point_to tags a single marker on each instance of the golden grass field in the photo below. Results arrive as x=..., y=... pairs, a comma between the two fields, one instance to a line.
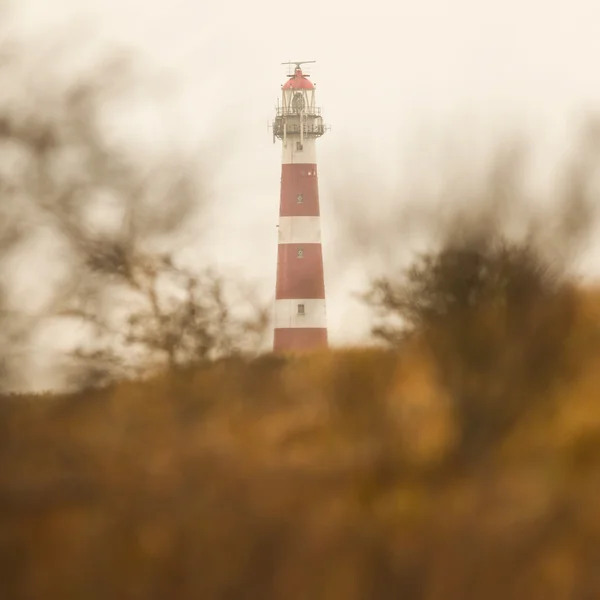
x=347, y=474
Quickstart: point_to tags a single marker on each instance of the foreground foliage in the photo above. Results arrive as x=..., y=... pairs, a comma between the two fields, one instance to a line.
x=351, y=474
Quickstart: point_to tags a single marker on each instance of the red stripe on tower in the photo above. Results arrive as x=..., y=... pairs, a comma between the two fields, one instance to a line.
x=300, y=317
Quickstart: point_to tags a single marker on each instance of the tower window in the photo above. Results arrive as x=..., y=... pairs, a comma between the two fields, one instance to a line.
x=299, y=146
x=300, y=198
x=300, y=253
x=301, y=309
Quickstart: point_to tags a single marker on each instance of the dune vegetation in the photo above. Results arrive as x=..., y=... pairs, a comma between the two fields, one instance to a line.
x=461, y=463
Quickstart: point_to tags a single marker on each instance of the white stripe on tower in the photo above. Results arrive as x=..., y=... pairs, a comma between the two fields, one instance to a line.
x=300, y=230
x=300, y=315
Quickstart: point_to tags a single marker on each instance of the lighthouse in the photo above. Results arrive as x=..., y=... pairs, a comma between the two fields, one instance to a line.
x=300, y=317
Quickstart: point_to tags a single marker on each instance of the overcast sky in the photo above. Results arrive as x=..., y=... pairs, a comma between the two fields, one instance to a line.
x=392, y=76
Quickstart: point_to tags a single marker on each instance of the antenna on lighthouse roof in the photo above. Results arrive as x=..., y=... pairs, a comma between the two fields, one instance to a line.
x=298, y=63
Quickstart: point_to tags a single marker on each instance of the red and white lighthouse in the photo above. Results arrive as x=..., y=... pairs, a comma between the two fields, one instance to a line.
x=300, y=317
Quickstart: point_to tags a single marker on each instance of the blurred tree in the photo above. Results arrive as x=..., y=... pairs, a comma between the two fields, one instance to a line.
x=113, y=218
x=495, y=317
x=494, y=310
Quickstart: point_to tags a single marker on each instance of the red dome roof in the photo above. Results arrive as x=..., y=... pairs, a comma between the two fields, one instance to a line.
x=298, y=82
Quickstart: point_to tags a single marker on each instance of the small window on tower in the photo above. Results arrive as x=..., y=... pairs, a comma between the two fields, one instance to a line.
x=299, y=146
x=300, y=309
x=300, y=198
x=300, y=253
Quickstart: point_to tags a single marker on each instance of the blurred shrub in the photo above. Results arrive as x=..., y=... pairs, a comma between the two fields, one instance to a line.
x=323, y=475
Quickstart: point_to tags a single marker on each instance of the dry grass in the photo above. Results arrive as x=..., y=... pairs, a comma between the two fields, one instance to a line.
x=345, y=474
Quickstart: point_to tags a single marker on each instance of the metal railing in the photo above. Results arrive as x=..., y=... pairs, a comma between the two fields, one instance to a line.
x=282, y=111
x=307, y=130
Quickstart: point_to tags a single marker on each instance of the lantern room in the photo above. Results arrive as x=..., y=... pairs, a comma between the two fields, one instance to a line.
x=298, y=94
x=298, y=112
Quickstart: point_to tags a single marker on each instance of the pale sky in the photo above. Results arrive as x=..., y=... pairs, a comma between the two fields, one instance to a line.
x=393, y=78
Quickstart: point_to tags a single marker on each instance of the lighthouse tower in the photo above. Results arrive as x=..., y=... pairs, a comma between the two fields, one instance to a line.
x=300, y=321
